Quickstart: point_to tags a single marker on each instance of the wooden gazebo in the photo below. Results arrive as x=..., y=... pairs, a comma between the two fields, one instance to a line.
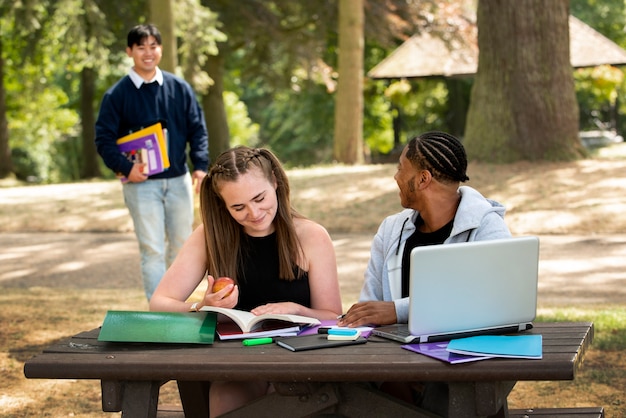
x=425, y=55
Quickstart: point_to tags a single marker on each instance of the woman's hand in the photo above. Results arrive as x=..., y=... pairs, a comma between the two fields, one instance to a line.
x=224, y=298
x=277, y=308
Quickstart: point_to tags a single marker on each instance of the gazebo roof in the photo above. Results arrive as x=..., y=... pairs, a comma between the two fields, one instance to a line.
x=459, y=57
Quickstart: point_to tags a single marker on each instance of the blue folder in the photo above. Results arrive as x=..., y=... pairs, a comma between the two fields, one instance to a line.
x=516, y=346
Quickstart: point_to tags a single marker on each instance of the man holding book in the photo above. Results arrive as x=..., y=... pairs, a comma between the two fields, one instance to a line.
x=161, y=204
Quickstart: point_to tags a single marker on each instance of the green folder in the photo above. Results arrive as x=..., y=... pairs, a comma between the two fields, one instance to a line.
x=158, y=327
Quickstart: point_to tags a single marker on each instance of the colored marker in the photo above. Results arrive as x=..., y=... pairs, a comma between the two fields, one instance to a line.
x=344, y=336
x=343, y=331
x=257, y=341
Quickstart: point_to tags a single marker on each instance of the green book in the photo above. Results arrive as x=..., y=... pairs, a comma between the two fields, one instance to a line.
x=158, y=327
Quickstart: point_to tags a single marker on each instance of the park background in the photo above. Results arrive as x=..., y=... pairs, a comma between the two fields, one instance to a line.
x=277, y=75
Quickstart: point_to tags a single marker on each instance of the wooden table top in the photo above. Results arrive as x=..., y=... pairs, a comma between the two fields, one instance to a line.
x=84, y=357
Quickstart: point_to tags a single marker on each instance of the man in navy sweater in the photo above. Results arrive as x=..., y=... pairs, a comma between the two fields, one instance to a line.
x=160, y=205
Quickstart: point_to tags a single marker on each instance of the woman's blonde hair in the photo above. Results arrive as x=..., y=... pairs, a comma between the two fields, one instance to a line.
x=223, y=233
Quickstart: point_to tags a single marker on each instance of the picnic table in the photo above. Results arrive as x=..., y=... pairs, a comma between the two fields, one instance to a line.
x=333, y=380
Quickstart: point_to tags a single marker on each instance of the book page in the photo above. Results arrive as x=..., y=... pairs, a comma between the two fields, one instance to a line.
x=247, y=321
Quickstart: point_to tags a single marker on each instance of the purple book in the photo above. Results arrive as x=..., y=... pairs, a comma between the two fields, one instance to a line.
x=144, y=150
x=438, y=351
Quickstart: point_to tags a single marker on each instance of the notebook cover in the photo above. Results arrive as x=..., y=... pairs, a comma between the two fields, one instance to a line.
x=314, y=342
x=516, y=346
x=438, y=351
x=158, y=327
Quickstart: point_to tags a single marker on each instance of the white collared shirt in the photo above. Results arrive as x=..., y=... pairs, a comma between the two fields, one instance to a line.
x=138, y=81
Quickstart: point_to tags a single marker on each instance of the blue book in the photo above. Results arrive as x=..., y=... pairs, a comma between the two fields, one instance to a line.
x=510, y=346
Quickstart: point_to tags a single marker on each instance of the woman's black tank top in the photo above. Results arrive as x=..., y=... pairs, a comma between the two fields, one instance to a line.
x=259, y=281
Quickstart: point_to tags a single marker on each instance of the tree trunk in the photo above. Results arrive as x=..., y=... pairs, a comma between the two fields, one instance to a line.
x=6, y=165
x=523, y=104
x=162, y=15
x=348, y=134
x=89, y=166
x=457, y=102
x=214, y=109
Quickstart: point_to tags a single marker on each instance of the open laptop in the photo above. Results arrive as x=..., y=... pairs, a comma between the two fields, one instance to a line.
x=472, y=288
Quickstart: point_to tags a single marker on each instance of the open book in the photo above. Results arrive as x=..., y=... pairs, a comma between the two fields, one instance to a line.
x=235, y=324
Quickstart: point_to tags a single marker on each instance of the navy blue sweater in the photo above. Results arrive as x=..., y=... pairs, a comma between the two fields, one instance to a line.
x=125, y=109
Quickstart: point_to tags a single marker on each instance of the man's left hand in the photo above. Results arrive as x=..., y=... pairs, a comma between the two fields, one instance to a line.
x=369, y=313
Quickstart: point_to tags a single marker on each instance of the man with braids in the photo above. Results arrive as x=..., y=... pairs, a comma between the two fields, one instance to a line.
x=281, y=261
x=438, y=211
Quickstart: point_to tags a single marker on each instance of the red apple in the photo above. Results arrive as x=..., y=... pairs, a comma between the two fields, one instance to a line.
x=221, y=283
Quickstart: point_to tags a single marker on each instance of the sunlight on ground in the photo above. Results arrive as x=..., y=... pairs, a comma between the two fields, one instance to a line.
x=327, y=170
x=12, y=404
x=586, y=197
x=355, y=193
x=612, y=151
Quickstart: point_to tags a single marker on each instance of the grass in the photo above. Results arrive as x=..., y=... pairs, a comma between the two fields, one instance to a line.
x=602, y=379
x=583, y=198
x=609, y=323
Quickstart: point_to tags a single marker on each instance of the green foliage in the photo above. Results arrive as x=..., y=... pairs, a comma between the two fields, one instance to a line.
x=38, y=130
x=596, y=92
x=39, y=123
x=299, y=126
x=242, y=130
x=605, y=16
x=280, y=59
x=422, y=105
x=196, y=27
x=593, y=90
x=378, y=124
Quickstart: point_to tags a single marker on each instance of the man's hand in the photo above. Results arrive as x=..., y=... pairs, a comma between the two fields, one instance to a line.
x=136, y=174
x=369, y=313
x=196, y=178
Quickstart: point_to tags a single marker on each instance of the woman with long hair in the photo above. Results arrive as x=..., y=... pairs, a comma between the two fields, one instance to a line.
x=280, y=261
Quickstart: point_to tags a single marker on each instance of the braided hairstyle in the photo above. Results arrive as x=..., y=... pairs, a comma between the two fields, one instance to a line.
x=440, y=153
x=223, y=234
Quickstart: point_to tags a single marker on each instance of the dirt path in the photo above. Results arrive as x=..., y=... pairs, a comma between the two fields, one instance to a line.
x=573, y=270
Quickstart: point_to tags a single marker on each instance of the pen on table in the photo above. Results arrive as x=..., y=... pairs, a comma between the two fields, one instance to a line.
x=257, y=341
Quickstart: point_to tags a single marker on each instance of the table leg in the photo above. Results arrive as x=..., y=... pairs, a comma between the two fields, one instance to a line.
x=194, y=396
x=137, y=399
x=478, y=399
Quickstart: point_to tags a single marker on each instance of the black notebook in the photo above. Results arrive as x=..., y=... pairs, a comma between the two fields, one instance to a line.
x=313, y=342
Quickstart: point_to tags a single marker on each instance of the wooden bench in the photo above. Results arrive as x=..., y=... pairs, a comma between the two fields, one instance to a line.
x=593, y=412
